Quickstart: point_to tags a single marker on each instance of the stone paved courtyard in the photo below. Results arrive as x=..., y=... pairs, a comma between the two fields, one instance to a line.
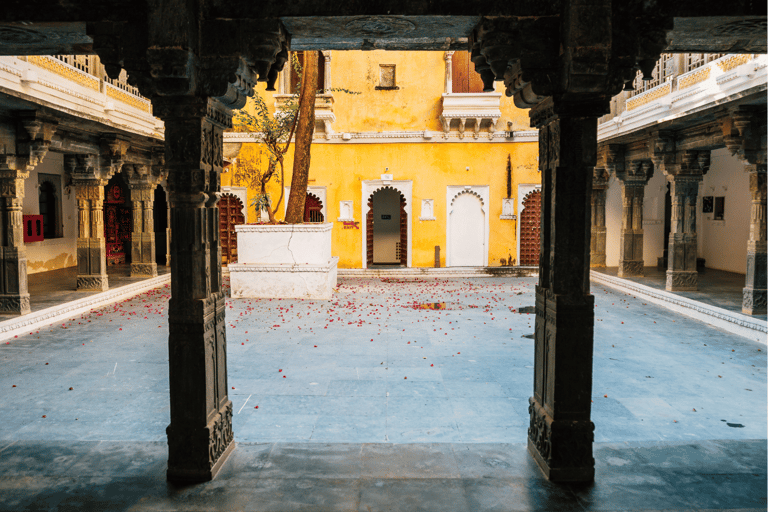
x=379, y=367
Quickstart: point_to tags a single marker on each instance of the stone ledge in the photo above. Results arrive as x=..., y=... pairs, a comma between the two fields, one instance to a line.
x=48, y=316
x=730, y=321
x=440, y=272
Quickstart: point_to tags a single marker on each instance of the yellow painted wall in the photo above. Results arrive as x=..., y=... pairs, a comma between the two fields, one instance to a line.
x=342, y=167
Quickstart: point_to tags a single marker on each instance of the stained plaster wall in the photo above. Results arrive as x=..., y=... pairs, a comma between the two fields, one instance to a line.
x=342, y=168
x=53, y=253
x=723, y=243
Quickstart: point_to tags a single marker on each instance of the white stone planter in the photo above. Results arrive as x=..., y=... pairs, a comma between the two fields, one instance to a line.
x=284, y=261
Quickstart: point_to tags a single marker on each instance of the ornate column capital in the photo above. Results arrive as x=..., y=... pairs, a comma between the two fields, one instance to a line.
x=636, y=173
x=34, y=136
x=744, y=133
x=87, y=169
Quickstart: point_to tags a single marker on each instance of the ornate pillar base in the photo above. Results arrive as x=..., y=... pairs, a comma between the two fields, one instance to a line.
x=14, y=304
x=754, y=302
x=90, y=283
x=561, y=448
x=143, y=269
x=597, y=255
x=197, y=455
x=14, y=295
x=629, y=268
x=682, y=280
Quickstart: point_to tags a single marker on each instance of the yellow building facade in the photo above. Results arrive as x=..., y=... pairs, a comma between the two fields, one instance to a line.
x=418, y=158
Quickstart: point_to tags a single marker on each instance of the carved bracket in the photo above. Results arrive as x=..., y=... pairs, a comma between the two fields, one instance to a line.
x=744, y=134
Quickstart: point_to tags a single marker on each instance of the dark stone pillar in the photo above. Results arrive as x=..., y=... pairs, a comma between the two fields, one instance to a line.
x=14, y=294
x=143, y=236
x=597, y=240
x=755, y=293
x=168, y=232
x=633, y=180
x=200, y=434
x=561, y=432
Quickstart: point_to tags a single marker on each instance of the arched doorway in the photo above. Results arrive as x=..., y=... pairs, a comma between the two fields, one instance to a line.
x=466, y=236
x=387, y=228
x=230, y=214
x=530, y=229
x=118, y=221
x=161, y=225
x=313, y=209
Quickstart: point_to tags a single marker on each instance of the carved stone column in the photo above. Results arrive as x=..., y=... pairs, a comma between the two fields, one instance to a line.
x=91, y=244
x=14, y=294
x=33, y=133
x=561, y=432
x=200, y=434
x=744, y=133
x=755, y=300
x=633, y=179
x=142, y=188
x=597, y=240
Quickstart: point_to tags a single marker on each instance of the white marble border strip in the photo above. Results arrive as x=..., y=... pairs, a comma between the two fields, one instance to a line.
x=730, y=321
x=440, y=272
x=23, y=324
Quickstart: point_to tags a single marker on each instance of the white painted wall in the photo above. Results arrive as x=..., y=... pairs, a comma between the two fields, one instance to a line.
x=54, y=253
x=723, y=243
x=653, y=219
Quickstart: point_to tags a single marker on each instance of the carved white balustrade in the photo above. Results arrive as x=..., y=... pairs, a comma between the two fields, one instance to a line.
x=477, y=109
x=51, y=81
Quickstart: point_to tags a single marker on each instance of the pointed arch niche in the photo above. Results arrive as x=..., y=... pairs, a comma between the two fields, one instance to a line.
x=405, y=188
x=481, y=194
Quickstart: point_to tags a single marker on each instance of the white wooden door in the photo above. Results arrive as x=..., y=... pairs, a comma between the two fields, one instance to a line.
x=467, y=232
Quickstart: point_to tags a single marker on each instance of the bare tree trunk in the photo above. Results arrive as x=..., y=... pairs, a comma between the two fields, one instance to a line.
x=301, y=149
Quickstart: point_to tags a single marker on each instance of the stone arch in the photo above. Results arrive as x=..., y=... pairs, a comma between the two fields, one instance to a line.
x=474, y=193
x=466, y=238
x=402, y=246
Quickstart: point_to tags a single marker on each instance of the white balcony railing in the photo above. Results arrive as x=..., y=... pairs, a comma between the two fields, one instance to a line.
x=470, y=109
x=52, y=80
x=705, y=83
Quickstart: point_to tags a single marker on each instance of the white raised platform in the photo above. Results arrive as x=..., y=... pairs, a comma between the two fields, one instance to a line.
x=284, y=260
x=18, y=326
x=730, y=321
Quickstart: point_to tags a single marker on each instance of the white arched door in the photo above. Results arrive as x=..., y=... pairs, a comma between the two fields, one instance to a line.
x=466, y=235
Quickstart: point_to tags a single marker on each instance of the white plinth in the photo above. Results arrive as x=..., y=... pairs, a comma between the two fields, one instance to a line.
x=284, y=261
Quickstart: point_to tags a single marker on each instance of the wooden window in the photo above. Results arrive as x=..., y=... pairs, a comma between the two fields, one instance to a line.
x=696, y=60
x=719, y=208
x=463, y=74
x=320, y=72
x=663, y=71
x=48, y=209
